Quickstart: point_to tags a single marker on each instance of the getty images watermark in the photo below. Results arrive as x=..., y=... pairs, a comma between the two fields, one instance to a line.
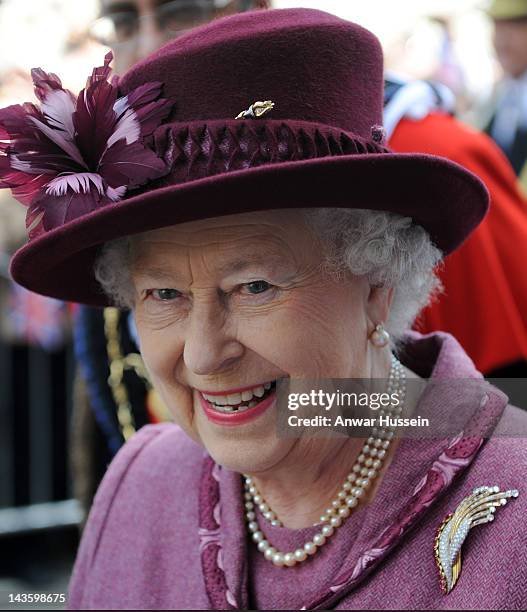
x=318, y=399
x=353, y=407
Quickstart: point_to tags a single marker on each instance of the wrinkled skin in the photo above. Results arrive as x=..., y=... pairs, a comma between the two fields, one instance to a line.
x=239, y=300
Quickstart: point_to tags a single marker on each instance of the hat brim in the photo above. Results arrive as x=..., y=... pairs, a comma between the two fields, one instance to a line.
x=447, y=200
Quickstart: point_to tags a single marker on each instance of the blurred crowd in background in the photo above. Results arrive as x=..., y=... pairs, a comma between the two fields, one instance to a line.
x=74, y=374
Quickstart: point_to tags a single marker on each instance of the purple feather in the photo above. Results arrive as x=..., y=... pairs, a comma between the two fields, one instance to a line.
x=45, y=83
x=132, y=165
x=94, y=120
x=34, y=218
x=61, y=209
x=25, y=141
x=25, y=187
x=101, y=73
x=75, y=154
x=82, y=182
x=127, y=127
x=62, y=140
x=150, y=110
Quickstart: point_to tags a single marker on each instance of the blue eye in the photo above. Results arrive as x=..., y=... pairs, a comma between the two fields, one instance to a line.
x=166, y=295
x=258, y=286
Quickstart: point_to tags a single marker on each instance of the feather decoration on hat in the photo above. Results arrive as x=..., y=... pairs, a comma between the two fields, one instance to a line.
x=72, y=154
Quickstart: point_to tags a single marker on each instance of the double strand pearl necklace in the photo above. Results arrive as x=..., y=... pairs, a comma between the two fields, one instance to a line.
x=367, y=465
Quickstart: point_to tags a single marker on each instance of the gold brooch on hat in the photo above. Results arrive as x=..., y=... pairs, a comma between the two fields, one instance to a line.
x=257, y=109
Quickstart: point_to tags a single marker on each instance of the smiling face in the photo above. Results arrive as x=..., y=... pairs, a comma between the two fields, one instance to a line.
x=226, y=306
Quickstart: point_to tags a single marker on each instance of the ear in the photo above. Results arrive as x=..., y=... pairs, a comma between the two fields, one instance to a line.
x=378, y=305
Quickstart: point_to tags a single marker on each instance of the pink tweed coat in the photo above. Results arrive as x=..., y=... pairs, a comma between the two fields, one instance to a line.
x=167, y=531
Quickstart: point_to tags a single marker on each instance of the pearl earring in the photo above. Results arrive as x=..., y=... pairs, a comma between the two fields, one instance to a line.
x=379, y=336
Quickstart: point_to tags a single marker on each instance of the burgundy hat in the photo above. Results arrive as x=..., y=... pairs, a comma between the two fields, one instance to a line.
x=262, y=110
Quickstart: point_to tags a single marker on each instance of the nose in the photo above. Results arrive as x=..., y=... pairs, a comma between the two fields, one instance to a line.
x=149, y=36
x=210, y=345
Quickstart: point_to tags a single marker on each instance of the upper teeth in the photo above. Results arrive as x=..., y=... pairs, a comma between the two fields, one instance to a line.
x=234, y=399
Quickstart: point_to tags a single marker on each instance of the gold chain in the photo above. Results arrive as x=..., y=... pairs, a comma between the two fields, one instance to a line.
x=118, y=364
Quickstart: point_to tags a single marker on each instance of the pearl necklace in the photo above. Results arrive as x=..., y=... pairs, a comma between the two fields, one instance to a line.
x=367, y=465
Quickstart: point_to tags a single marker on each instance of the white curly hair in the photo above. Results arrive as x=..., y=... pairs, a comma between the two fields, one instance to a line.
x=386, y=248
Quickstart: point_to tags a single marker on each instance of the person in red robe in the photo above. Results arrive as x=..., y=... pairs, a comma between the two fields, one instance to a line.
x=485, y=299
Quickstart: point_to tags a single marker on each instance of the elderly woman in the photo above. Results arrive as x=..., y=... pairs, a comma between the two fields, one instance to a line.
x=234, y=191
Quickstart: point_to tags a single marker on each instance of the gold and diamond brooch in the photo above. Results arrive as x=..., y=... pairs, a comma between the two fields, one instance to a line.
x=257, y=109
x=477, y=508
